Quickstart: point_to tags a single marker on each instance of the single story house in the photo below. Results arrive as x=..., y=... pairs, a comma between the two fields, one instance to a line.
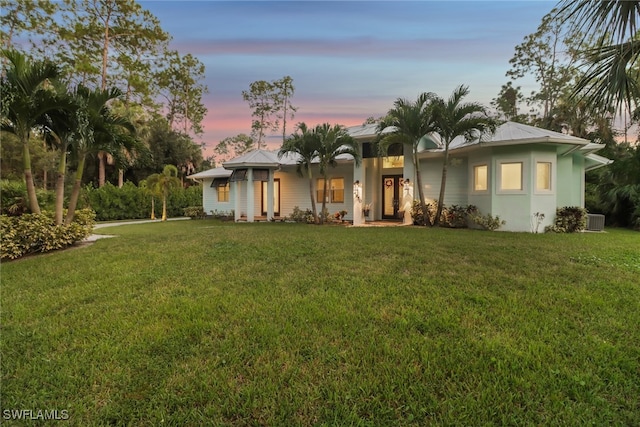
x=518, y=172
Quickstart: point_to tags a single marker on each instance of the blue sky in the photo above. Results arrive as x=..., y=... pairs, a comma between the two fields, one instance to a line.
x=348, y=60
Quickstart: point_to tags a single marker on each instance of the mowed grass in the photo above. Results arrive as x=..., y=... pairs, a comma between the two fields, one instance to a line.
x=208, y=323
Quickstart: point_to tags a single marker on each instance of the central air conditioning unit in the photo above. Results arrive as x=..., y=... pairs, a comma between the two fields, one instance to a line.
x=595, y=222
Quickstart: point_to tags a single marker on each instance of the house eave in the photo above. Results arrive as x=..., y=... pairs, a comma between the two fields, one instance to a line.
x=211, y=173
x=596, y=162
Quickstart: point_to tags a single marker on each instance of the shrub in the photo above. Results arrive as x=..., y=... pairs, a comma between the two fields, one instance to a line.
x=488, y=222
x=13, y=198
x=569, y=219
x=113, y=203
x=453, y=216
x=224, y=215
x=324, y=216
x=29, y=233
x=195, y=212
x=182, y=198
x=132, y=202
x=299, y=215
x=419, y=217
x=456, y=216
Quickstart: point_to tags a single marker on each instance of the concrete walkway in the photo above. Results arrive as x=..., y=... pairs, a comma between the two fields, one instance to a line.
x=94, y=237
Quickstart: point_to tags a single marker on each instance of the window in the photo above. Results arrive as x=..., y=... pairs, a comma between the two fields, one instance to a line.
x=543, y=176
x=222, y=188
x=337, y=190
x=392, y=162
x=335, y=193
x=511, y=176
x=480, y=178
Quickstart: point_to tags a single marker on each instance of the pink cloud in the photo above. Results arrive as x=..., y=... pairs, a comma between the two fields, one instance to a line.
x=352, y=47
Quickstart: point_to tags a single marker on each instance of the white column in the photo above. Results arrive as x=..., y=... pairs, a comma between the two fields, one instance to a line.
x=358, y=216
x=236, y=200
x=250, y=201
x=358, y=190
x=407, y=201
x=409, y=170
x=270, y=195
x=376, y=199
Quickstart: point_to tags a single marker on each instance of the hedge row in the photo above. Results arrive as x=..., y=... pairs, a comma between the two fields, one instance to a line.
x=132, y=202
x=109, y=202
x=30, y=233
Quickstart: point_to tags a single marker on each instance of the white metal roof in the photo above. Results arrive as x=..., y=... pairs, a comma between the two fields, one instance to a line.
x=263, y=158
x=594, y=161
x=211, y=173
x=512, y=133
x=509, y=133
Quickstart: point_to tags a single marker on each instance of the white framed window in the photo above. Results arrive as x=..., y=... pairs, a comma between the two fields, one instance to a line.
x=223, y=193
x=391, y=162
x=335, y=190
x=222, y=188
x=543, y=177
x=480, y=178
x=510, y=177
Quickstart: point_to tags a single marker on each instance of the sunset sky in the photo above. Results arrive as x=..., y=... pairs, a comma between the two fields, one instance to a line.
x=348, y=60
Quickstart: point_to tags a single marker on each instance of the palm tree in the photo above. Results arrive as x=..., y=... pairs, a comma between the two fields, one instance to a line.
x=334, y=141
x=24, y=100
x=59, y=127
x=97, y=129
x=454, y=118
x=163, y=183
x=619, y=187
x=148, y=191
x=411, y=122
x=305, y=145
x=613, y=76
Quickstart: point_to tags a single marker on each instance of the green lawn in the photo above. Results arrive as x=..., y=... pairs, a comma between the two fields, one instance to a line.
x=208, y=323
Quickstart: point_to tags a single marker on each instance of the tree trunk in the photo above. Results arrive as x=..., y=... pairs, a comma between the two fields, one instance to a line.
x=120, y=178
x=45, y=174
x=153, y=208
x=423, y=205
x=164, y=207
x=101, y=168
x=62, y=168
x=443, y=183
x=313, y=199
x=34, y=207
x=75, y=193
x=103, y=86
x=324, y=201
x=105, y=53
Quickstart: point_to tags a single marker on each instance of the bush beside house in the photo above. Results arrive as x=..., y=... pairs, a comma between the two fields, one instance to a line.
x=569, y=219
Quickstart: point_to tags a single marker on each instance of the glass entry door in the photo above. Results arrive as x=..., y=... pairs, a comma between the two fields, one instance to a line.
x=391, y=191
x=276, y=196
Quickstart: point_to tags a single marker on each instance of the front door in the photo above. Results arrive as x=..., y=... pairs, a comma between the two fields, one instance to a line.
x=391, y=191
x=276, y=197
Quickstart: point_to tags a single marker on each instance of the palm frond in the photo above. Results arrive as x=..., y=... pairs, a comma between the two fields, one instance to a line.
x=610, y=78
x=614, y=20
